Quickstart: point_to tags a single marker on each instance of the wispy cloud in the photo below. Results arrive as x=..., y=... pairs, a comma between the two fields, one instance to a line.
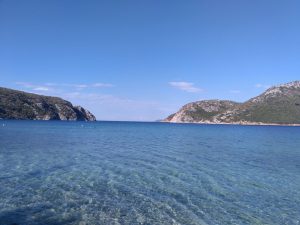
x=185, y=86
x=104, y=106
x=34, y=87
x=102, y=85
x=41, y=89
x=51, y=86
x=262, y=86
x=83, y=86
x=108, y=107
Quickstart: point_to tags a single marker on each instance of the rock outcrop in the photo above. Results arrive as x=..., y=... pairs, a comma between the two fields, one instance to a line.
x=26, y=106
x=277, y=105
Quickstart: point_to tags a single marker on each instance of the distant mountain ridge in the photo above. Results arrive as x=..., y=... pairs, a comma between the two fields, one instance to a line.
x=277, y=105
x=26, y=106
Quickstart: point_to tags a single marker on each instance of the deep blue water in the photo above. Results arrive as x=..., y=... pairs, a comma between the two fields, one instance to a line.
x=148, y=173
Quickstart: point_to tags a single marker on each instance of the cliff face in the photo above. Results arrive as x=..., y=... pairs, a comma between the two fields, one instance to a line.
x=279, y=105
x=26, y=106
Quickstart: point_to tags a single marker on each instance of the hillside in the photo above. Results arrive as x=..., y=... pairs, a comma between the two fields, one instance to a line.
x=277, y=105
x=26, y=106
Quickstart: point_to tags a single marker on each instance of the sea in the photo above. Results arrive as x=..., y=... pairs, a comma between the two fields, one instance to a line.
x=90, y=173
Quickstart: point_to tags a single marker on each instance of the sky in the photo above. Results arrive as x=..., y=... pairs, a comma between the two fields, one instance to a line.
x=142, y=60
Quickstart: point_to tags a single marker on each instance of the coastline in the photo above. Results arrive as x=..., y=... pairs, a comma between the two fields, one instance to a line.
x=238, y=123
x=170, y=122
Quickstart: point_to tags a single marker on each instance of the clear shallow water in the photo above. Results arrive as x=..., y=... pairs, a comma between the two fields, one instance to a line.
x=148, y=173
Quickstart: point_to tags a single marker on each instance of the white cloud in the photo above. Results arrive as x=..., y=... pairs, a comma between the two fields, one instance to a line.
x=33, y=86
x=263, y=86
x=49, y=86
x=81, y=86
x=41, y=89
x=103, y=106
x=102, y=85
x=111, y=107
x=185, y=86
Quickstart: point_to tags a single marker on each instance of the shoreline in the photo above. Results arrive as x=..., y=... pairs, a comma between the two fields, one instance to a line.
x=238, y=123
x=170, y=122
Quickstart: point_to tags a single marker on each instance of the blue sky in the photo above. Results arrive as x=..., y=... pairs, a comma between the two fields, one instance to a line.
x=143, y=59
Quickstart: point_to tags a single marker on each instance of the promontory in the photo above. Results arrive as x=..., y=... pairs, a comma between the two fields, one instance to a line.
x=27, y=106
x=278, y=105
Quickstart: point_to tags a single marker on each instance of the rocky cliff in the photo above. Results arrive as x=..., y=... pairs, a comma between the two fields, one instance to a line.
x=26, y=106
x=277, y=105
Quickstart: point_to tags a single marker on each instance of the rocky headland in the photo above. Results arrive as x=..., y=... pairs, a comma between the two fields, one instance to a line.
x=27, y=106
x=279, y=105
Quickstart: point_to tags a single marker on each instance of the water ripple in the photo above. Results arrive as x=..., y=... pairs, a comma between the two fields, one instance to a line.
x=148, y=173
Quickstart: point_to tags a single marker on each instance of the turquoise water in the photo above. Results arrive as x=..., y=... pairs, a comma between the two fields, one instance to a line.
x=148, y=173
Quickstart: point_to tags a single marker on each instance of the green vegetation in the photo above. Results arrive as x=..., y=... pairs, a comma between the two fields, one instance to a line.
x=21, y=105
x=278, y=105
